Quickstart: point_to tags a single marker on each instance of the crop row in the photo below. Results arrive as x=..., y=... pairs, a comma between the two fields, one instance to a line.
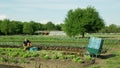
x=37, y=40
x=107, y=43
x=17, y=55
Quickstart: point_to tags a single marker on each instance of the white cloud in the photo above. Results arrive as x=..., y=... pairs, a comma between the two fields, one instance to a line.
x=44, y=21
x=3, y=17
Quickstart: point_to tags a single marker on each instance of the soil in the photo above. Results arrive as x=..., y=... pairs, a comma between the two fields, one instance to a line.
x=9, y=66
x=45, y=64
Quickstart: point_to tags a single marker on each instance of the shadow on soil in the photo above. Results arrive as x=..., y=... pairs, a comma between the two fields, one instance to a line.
x=107, y=56
x=9, y=66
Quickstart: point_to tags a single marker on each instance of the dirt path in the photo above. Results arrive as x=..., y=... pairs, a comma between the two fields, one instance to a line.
x=45, y=64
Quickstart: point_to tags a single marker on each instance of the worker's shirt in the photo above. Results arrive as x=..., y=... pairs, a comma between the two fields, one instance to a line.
x=26, y=42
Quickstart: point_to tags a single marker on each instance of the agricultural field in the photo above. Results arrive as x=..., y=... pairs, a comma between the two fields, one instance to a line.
x=44, y=58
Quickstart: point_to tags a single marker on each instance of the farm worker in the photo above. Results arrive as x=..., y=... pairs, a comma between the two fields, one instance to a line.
x=26, y=44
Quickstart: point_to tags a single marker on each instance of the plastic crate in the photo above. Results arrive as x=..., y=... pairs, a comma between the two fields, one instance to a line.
x=33, y=49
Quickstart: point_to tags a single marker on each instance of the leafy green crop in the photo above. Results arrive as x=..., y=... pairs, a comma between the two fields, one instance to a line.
x=3, y=59
x=77, y=59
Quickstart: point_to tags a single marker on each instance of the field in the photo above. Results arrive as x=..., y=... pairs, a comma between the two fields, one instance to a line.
x=55, y=58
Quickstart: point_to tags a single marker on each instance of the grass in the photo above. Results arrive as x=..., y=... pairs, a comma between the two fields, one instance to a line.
x=111, y=61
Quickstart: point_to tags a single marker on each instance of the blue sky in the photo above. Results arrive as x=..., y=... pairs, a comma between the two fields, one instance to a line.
x=56, y=10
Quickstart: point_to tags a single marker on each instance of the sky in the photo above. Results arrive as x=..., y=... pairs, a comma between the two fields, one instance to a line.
x=56, y=10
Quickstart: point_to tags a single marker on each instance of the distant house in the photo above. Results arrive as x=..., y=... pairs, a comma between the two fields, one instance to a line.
x=42, y=32
x=57, y=33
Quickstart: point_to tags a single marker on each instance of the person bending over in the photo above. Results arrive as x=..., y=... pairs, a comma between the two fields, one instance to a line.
x=26, y=44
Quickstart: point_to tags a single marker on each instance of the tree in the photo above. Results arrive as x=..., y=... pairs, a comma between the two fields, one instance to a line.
x=113, y=28
x=17, y=27
x=79, y=21
x=11, y=28
x=36, y=26
x=40, y=26
x=108, y=29
x=58, y=27
x=0, y=27
x=5, y=26
x=104, y=30
x=28, y=28
x=118, y=29
x=50, y=26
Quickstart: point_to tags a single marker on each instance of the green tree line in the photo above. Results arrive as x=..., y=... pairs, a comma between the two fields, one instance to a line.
x=112, y=28
x=8, y=27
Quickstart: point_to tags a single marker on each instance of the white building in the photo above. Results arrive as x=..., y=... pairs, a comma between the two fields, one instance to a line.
x=57, y=33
